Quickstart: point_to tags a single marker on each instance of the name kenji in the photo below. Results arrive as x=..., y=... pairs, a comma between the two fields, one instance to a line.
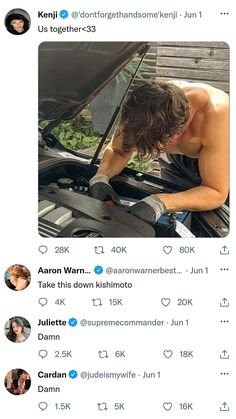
x=51, y=15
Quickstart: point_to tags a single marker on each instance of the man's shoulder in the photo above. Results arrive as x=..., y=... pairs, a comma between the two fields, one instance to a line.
x=207, y=98
x=186, y=85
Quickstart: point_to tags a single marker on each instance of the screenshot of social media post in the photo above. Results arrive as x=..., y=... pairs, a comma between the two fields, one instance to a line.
x=117, y=163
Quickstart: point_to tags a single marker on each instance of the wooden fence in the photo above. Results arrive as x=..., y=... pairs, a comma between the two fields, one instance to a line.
x=205, y=62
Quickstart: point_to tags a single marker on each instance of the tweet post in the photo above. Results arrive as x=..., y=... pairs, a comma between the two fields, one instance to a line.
x=117, y=288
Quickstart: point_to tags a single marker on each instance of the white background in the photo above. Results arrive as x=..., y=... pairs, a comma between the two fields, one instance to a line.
x=200, y=383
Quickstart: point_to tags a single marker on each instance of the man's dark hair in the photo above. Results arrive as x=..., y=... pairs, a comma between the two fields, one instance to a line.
x=152, y=114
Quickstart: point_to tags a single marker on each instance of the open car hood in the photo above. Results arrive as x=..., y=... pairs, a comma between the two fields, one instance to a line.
x=72, y=73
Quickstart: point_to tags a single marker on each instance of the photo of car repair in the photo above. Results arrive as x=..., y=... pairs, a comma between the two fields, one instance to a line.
x=133, y=139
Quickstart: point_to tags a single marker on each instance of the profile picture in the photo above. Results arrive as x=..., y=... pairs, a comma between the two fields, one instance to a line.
x=17, y=277
x=17, y=329
x=17, y=21
x=17, y=381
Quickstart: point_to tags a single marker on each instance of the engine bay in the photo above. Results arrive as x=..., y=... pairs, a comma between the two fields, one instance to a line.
x=66, y=210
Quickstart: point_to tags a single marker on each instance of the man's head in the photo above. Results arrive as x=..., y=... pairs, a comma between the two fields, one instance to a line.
x=19, y=276
x=18, y=25
x=152, y=115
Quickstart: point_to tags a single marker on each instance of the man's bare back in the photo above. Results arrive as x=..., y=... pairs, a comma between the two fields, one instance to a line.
x=204, y=136
x=205, y=102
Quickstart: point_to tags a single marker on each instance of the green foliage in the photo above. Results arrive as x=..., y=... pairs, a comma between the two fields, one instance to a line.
x=137, y=164
x=76, y=134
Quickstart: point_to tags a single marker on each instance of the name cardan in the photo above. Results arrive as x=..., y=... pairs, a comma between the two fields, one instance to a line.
x=44, y=15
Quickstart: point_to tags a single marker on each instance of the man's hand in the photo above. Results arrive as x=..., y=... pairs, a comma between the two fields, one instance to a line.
x=148, y=209
x=102, y=190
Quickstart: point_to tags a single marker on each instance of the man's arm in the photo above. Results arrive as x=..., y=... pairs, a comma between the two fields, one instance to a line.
x=214, y=172
x=213, y=166
x=114, y=158
x=113, y=161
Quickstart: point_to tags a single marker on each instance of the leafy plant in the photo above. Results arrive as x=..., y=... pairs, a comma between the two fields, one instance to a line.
x=75, y=134
x=137, y=164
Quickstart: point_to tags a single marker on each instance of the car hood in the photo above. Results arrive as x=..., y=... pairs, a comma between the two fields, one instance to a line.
x=72, y=73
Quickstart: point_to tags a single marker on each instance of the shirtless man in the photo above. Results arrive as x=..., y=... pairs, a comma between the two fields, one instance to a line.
x=187, y=121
